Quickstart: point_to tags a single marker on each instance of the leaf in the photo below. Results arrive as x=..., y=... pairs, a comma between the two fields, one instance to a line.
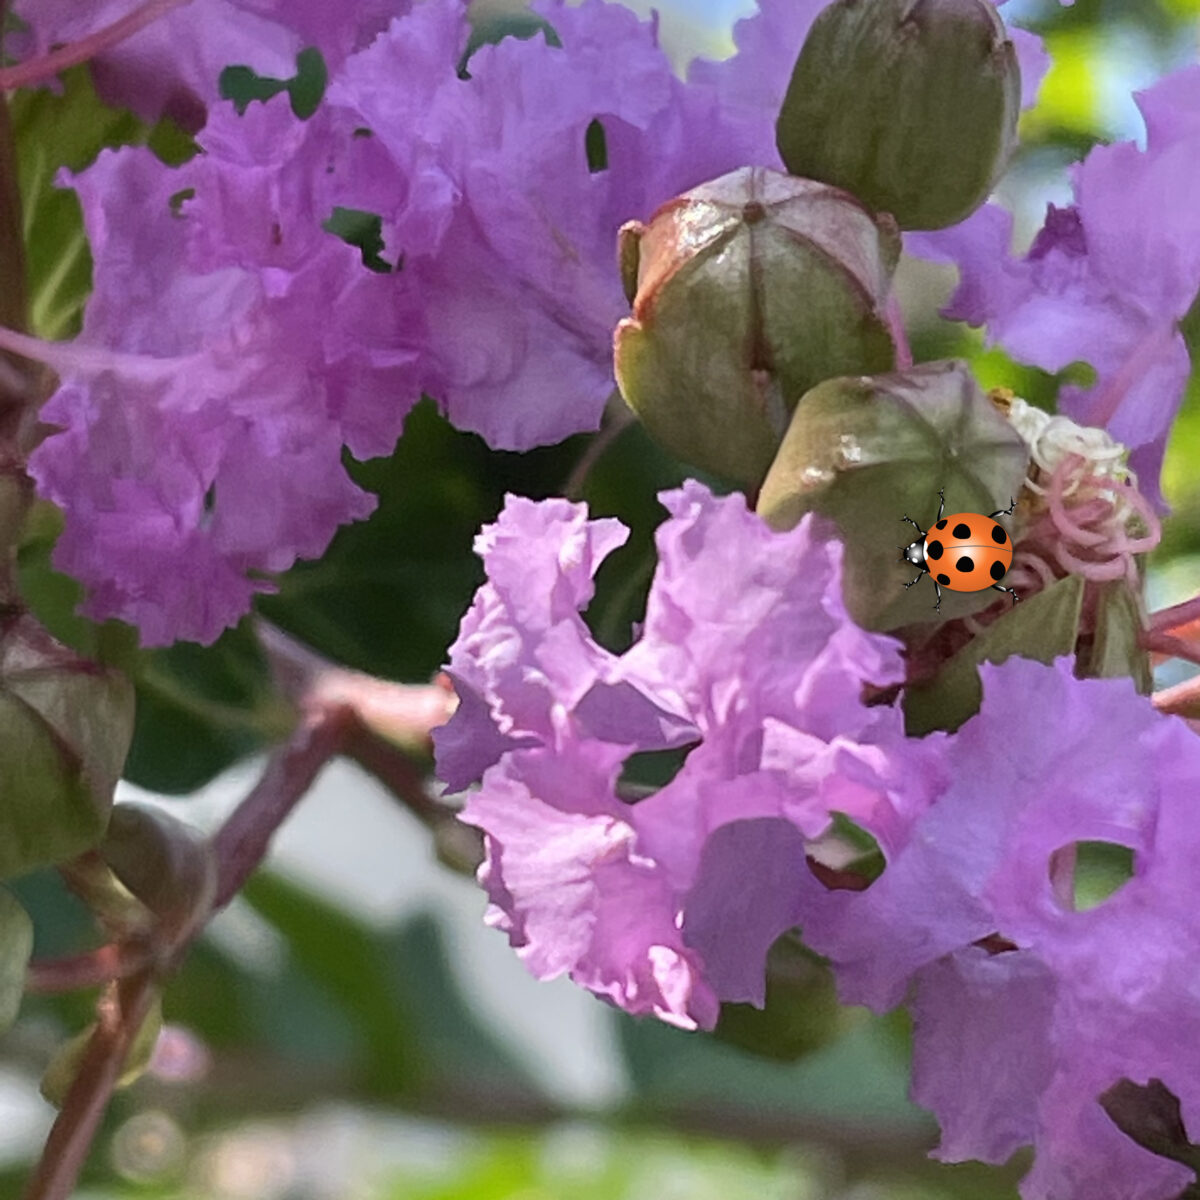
x=1043, y=627
x=801, y=1012
x=201, y=709
x=68, y=129
x=389, y=593
x=16, y=945
x=363, y=230
x=1114, y=649
x=417, y=1035
x=306, y=89
x=65, y=728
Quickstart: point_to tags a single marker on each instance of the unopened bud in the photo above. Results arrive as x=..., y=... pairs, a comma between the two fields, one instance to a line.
x=746, y=292
x=167, y=864
x=910, y=104
x=868, y=451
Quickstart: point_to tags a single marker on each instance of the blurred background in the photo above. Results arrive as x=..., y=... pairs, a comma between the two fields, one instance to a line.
x=349, y=1029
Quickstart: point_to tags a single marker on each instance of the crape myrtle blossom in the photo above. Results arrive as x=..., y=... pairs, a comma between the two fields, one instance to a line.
x=276, y=345
x=747, y=657
x=1014, y=1047
x=1106, y=280
x=172, y=66
x=500, y=233
x=1026, y=1011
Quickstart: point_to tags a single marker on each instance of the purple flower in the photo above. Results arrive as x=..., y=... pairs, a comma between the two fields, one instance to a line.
x=1014, y=1046
x=201, y=428
x=1106, y=280
x=172, y=66
x=748, y=661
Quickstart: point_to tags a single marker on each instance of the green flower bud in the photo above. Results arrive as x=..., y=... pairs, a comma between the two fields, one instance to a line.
x=866, y=451
x=910, y=104
x=167, y=864
x=65, y=728
x=746, y=292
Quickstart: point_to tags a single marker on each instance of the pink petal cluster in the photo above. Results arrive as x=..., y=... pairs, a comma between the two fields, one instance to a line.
x=747, y=657
x=1013, y=1045
x=172, y=66
x=237, y=346
x=1026, y=1010
x=1107, y=279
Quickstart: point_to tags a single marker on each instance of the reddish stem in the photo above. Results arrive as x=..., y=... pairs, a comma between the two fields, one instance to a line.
x=121, y=1015
x=1167, y=619
x=38, y=70
x=1182, y=700
x=242, y=842
x=116, y=960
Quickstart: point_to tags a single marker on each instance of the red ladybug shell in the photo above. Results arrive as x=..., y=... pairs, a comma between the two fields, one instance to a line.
x=968, y=552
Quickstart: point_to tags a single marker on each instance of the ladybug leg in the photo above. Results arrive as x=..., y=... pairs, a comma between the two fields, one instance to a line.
x=938, y=587
x=1004, y=512
x=913, y=523
x=999, y=587
x=942, y=505
x=917, y=580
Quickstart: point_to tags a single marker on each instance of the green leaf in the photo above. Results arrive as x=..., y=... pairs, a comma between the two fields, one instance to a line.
x=801, y=1012
x=306, y=89
x=65, y=1064
x=68, y=129
x=491, y=28
x=65, y=727
x=869, y=450
x=201, y=709
x=16, y=945
x=596, y=146
x=1114, y=648
x=1044, y=627
x=363, y=230
x=415, y=1032
x=389, y=593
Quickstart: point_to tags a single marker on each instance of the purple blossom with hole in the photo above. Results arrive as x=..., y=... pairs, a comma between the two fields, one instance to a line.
x=1012, y=1046
x=747, y=660
x=1107, y=279
x=500, y=302
x=173, y=65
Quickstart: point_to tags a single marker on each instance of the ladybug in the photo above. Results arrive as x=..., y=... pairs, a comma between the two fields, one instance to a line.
x=965, y=552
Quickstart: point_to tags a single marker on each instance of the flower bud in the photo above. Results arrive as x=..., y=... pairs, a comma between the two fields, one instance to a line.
x=65, y=728
x=167, y=864
x=746, y=292
x=868, y=451
x=910, y=104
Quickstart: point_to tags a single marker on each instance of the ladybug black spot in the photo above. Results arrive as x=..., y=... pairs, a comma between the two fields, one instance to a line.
x=998, y=535
x=934, y=550
x=966, y=563
x=942, y=524
x=962, y=530
x=944, y=580
x=997, y=570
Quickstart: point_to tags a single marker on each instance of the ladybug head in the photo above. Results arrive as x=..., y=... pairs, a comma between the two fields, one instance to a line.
x=914, y=553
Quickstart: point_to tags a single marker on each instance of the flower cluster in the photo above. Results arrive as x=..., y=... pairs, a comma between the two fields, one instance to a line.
x=748, y=661
x=1026, y=1010
x=1106, y=281
x=237, y=344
